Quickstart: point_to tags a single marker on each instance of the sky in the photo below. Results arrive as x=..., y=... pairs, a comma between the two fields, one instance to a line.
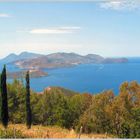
x=110, y=28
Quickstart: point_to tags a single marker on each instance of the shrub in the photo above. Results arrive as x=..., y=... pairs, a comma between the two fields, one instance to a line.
x=11, y=133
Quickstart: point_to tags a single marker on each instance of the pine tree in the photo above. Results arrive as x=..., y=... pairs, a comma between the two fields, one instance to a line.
x=28, y=108
x=4, y=102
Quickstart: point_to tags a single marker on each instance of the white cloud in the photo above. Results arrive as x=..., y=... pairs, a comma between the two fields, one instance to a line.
x=3, y=15
x=54, y=30
x=57, y=30
x=120, y=4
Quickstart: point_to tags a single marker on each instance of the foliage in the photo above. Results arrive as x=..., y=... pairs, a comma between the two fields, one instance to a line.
x=28, y=108
x=16, y=102
x=118, y=115
x=4, y=102
x=95, y=118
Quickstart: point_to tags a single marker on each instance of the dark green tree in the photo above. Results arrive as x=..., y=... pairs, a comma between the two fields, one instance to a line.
x=4, y=102
x=28, y=108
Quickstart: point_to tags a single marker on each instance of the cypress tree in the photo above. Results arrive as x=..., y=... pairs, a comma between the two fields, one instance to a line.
x=4, y=102
x=28, y=108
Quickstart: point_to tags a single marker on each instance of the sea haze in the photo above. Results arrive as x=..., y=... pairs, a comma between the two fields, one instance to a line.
x=92, y=78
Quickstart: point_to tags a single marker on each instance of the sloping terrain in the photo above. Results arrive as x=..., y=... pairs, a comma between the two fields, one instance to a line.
x=58, y=60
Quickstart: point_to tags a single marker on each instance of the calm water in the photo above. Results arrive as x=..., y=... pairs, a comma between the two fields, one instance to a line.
x=91, y=78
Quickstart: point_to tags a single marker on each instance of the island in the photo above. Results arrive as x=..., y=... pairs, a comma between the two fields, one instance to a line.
x=59, y=60
x=34, y=73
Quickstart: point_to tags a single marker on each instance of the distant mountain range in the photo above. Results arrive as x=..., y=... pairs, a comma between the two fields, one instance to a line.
x=22, y=56
x=28, y=60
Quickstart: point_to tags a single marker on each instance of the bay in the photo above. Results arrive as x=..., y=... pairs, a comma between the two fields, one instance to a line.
x=91, y=78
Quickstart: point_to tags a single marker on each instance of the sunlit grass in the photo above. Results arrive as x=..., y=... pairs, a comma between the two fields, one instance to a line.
x=38, y=131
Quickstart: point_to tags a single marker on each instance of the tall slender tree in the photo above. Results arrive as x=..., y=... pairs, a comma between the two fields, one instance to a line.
x=4, y=102
x=28, y=108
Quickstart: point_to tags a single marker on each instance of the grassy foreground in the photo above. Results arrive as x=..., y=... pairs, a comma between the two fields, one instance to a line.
x=38, y=131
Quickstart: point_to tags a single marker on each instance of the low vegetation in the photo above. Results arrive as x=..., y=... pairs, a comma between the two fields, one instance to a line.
x=39, y=131
x=11, y=132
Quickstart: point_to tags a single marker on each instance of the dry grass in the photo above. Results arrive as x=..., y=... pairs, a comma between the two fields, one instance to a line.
x=38, y=131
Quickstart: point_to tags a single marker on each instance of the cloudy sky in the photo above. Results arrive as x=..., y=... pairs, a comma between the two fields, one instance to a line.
x=106, y=27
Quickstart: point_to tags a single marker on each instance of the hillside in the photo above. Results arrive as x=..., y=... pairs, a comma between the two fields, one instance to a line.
x=64, y=91
x=58, y=60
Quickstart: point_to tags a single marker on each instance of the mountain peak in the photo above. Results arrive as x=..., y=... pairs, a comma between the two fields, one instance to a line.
x=12, y=54
x=25, y=52
x=23, y=55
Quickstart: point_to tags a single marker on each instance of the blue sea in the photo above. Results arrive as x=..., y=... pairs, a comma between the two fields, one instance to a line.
x=92, y=78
